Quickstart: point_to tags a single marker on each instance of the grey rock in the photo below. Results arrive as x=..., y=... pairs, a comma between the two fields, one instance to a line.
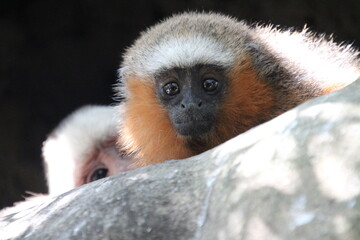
x=294, y=177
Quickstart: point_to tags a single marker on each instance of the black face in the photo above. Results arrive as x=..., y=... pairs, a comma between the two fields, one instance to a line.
x=192, y=96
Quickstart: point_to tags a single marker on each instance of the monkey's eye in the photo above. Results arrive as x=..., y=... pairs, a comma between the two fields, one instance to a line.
x=210, y=85
x=171, y=88
x=98, y=174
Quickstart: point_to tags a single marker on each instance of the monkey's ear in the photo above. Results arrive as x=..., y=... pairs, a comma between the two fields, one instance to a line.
x=121, y=74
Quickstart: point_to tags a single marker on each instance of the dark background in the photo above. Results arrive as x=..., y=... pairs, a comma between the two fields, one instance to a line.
x=56, y=56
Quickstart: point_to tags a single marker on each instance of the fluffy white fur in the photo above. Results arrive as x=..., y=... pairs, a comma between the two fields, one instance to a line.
x=186, y=52
x=68, y=147
x=317, y=58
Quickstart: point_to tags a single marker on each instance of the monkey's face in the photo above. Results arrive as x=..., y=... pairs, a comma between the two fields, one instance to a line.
x=191, y=96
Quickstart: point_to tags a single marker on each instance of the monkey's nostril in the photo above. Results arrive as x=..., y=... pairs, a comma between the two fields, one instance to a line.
x=200, y=103
x=182, y=105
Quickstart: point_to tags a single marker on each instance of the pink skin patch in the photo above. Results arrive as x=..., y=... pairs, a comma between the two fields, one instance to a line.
x=105, y=156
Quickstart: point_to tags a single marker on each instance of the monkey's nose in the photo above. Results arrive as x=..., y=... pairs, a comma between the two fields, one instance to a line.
x=189, y=105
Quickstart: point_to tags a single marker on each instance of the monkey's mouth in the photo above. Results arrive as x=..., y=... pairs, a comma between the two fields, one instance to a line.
x=193, y=127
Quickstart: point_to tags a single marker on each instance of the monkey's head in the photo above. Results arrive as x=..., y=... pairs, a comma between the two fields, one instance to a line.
x=83, y=149
x=181, y=88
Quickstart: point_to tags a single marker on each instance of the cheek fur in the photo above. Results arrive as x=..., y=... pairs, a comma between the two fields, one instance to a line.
x=146, y=129
x=247, y=103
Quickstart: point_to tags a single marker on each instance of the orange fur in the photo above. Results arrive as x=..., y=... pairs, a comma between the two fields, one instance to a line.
x=147, y=130
x=248, y=103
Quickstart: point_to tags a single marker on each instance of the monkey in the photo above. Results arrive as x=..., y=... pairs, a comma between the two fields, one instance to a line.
x=196, y=80
x=82, y=149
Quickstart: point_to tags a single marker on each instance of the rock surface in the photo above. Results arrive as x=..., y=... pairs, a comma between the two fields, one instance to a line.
x=295, y=177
